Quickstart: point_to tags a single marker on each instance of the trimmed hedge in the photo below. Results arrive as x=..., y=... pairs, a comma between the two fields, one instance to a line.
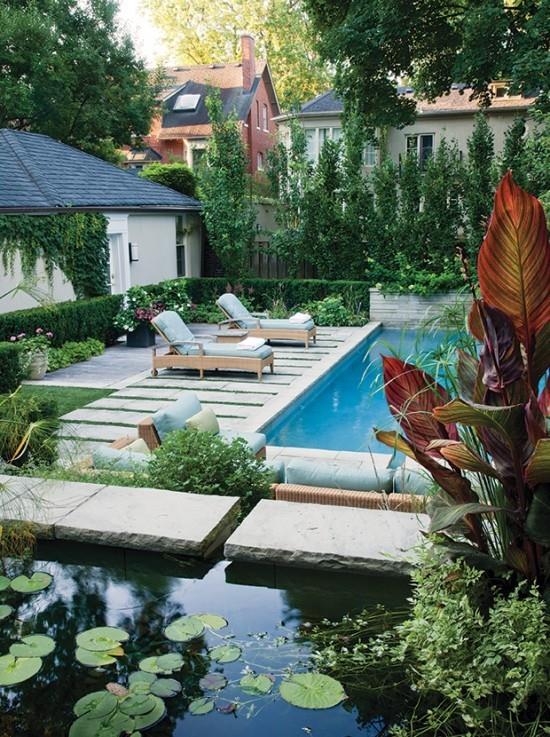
x=68, y=321
x=11, y=369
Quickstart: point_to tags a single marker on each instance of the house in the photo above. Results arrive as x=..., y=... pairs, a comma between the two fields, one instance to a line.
x=154, y=232
x=450, y=116
x=181, y=131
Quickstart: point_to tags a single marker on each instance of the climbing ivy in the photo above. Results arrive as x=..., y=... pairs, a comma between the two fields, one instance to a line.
x=76, y=243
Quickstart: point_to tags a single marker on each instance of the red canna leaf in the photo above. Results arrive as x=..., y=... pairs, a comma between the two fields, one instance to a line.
x=514, y=261
x=501, y=355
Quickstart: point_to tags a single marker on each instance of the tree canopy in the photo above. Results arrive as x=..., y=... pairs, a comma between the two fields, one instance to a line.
x=67, y=74
x=204, y=32
x=372, y=43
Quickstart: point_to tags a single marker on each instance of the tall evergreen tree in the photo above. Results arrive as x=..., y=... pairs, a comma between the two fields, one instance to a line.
x=513, y=153
x=480, y=181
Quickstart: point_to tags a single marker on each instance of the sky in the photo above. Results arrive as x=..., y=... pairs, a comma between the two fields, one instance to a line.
x=147, y=39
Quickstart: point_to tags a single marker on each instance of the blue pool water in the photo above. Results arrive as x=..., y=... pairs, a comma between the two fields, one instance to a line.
x=339, y=412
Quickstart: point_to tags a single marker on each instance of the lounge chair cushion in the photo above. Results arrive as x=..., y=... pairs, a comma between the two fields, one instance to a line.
x=229, y=349
x=120, y=460
x=407, y=481
x=175, y=416
x=335, y=475
x=255, y=440
x=286, y=325
x=233, y=307
x=278, y=471
x=173, y=327
x=204, y=421
x=138, y=446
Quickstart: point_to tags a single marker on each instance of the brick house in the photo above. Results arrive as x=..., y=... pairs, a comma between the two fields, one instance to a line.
x=180, y=132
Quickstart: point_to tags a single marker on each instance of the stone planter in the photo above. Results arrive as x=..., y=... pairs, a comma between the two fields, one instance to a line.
x=411, y=310
x=141, y=337
x=38, y=365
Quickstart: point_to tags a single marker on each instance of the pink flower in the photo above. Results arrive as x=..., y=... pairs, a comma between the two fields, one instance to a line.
x=49, y=335
x=21, y=336
x=39, y=331
x=13, y=338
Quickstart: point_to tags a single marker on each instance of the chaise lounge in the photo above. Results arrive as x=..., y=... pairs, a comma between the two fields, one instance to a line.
x=262, y=327
x=186, y=352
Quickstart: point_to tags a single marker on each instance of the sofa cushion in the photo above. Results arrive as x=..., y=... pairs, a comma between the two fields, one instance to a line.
x=407, y=481
x=173, y=327
x=255, y=440
x=138, y=446
x=273, y=324
x=204, y=421
x=339, y=475
x=119, y=460
x=176, y=414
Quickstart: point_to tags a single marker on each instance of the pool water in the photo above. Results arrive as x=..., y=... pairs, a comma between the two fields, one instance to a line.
x=142, y=593
x=340, y=411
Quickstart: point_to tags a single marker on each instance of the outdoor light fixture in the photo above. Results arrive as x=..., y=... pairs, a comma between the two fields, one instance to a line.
x=134, y=252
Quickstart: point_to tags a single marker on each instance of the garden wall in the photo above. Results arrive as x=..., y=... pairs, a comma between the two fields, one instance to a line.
x=398, y=310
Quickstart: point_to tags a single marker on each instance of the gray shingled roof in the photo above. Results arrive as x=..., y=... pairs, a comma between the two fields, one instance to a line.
x=38, y=173
x=328, y=102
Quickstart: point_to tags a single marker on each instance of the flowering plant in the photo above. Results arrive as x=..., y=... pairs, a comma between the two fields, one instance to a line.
x=138, y=309
x=37, y=343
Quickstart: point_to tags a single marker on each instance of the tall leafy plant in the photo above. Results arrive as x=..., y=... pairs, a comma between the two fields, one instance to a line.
x=488, y=449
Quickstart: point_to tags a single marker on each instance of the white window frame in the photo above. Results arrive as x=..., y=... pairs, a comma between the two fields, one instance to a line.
x=418, y=137
x=317, y=145
x=260, y=161
x=265, y=117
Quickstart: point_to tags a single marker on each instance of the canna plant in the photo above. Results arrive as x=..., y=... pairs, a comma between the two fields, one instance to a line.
x=488, y=449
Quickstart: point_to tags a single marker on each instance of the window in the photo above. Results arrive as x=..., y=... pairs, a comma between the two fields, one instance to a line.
x=370, y=156
x=257, y=115
x=422, y=145
x=180, y=246
x=336, y=134
x=186, y=103
x=265, y=119
x=311, y=141
x=324, y=134
x=260, y=161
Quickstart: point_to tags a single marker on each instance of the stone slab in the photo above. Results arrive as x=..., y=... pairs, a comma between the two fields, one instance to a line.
x=324, y=536
x=92, y=432
x=152, y=519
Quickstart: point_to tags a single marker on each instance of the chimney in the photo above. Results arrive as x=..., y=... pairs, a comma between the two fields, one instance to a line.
x=248, y=59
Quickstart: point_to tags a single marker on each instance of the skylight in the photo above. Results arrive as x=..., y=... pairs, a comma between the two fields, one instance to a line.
x=186, y=103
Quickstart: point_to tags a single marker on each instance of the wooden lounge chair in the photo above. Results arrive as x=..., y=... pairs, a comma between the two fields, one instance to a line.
x=262, y=327
x=414, y=503
x=186, y=352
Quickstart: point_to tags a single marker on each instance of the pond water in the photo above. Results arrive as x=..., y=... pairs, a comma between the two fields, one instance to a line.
x=142, y=593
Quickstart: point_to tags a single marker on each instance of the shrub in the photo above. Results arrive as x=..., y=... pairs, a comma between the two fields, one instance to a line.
x=177, y=176
x=202, y=463
x=68, y=321
x=11, y=367
x=74, y=352
x=334, y=312
x=27, y=429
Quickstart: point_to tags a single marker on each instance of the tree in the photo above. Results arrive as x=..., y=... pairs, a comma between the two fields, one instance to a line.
x=513, y=153
x=65, y=73
x=537, y=156
x=202, y=32
x=177, y=176
x=480, y=181
x=374, y=42
x=228, y=212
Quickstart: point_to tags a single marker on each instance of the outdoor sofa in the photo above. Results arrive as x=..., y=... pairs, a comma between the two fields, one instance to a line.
x=259, y=325
x=186, y=352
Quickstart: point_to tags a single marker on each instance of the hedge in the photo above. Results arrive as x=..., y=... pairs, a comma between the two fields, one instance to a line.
x=11, y=372
x=68, y=321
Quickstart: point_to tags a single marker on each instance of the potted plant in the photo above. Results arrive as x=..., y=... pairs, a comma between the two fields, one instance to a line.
x=35, y=351
x=135, y=318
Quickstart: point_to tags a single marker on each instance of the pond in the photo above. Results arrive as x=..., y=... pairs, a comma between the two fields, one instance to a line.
x=142, y=593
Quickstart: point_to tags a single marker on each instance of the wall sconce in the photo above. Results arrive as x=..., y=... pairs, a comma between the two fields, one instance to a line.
x=133, y=249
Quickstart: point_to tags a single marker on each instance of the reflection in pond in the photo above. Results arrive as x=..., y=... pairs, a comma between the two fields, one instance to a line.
x=144, y=593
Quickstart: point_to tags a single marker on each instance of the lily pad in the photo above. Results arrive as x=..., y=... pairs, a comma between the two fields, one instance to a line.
x=5, y=611
x=16, y=670
x=111, y=726
x=184, y=629
x=137, y=704
x=93, y=659
x=213, y=682
x=213, y=621
x=165, y=688
x=101, y=639
x=4, y=583
x=164, y=664
x=141, y=676
x=96, y=705
x=158, y=712
x=312, y=691
x=256, y=685
x=37, y=582
x=33, y=646
x=225, y=653
x=198, y=707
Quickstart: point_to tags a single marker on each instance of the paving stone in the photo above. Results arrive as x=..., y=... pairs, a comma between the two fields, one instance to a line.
x=92, y=432
x=115, y=417
x=152, y=519
x=324, y=536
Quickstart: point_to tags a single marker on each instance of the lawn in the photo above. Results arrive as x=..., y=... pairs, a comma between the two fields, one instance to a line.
x=67, y=397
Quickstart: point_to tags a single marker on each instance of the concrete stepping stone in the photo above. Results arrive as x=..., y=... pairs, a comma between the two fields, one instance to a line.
x=324, y=536
x=91, y=431
x=104, y=416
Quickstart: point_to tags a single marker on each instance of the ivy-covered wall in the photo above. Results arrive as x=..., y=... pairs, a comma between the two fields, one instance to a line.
x=76, y=243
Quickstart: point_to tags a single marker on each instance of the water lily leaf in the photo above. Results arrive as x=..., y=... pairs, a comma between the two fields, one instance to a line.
x=165, y=687
x=94, y=659
x=101, y=639
x=37, y=582
x=213, y=682
x=137, y=704
x=141, y=676
x=165, y=664
x=228, y=708
x=111, y=726
x=5, y=611
x=158, y=712
x=4, y=583
x=16, y=670
x=225, y=653
x=256, y=685
x=214, y=621
x=184, y=629
x=33, y=646
x=312, y=691
x=198, y=707
x=96, y=705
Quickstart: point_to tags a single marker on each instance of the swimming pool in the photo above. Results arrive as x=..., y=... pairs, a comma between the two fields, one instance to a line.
x=339, y=412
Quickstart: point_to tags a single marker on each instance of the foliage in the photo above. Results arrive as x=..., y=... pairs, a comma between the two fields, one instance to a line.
x=27, y=429
x=334, y=311
x=201, y=33
x=138, y=308
x=39, y=342
x=513, y=152
x=228, y=212
x=77, y=243
x=374, y=42
x=92, y=93
x=68, y=321
x=480, y=180
x=488, y=449
x=202, y=463
x=12, y=369
x=176, y=175
x=74, y=352
x=537, y=156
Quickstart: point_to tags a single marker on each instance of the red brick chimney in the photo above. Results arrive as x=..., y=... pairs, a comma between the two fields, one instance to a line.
x=248, y=59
